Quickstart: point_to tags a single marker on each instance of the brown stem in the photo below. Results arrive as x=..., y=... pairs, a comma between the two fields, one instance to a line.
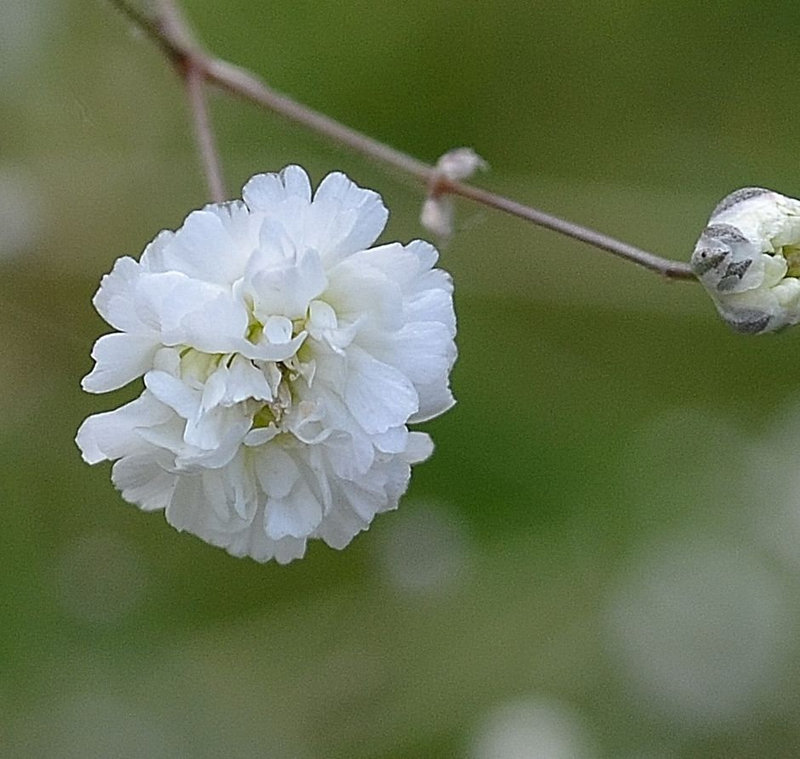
x=171, y=35
x=204, y=134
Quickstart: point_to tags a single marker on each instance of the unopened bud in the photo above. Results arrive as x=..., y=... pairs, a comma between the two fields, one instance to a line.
x=460, y=163
x=437, y=210
x=748, y=259
x=437, y=215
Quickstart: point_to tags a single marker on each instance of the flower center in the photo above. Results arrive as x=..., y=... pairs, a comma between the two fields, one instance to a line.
x=273, y=410
x=261, y=389
x=792, y=255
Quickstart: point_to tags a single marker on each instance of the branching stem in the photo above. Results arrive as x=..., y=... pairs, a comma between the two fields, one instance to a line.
x=196, y=67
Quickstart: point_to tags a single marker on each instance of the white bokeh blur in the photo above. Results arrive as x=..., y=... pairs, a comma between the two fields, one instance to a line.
x=423, y=549
x=700, y=620
x=532, y=728
x=20, y=213
x=24, y=26
x=700, y=631
x=90, y=724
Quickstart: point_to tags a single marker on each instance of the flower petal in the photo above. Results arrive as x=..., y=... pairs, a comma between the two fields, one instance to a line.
x=344, y=218
x=265, y=191
x=114, y=300
x=120, y=358
x=114, y=434
x=377, y=395
x=143, y=481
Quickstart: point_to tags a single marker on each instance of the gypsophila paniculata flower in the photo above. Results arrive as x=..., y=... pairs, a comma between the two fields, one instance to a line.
x=283, y=359
x=748, y=259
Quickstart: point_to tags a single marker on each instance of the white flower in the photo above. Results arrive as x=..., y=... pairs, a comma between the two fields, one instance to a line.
x=748, y=258
x=283, y=359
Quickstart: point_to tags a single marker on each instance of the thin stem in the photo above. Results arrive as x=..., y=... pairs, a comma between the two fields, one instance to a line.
x=170, y=34
x=170, y=31
x=246, y=85
x=150, y=27
x=670, y=269
x=204, y=134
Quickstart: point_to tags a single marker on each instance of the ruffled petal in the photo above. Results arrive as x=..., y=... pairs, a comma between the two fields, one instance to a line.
x=344, y=218
x=377, y=395
x=204, y=249
x=265, y=191
x=144, y=481
x=296, y=516
x=287, y=287
x=119, y=358
x=114, y=300
x=114, y=434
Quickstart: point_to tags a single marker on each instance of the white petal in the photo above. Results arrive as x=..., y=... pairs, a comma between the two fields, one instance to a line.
x=321, y=316
x=296, y=516
x=378, y=395
x=216, y=433
x=264, y=350
x=344, y=217
x=193, y=459
x=426, y=254
x=353, y=511
x=349, y=451
x=143, y=481
x=260, y=435
x=397, y=262
x=434, y=304
x=437, y=215
x=275, y=248
x=265, y=191
x=287, y=289
x=434, y=399
x=420, y=447
x=276, y=471
x=217, y=327
x=278, y=329
x=239, y=223
x=394, y=440
x=114, y=298
x=245, y=381
x=116, y=433
x=215, y=389
x=204, y=249
x=188, y=509
x=152, y=258
x=423, y=351
x=120, y=358
x=167, y=436
x=172, y=392
x=154, y=300
x=358, y=291
x=287, y=550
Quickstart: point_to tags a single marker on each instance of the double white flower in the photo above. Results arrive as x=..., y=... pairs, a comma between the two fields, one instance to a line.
x=283, y=359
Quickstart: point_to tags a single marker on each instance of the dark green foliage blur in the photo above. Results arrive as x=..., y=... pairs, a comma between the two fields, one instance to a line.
x=602, y=557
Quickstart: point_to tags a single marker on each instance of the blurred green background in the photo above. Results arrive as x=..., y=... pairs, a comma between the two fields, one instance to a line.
x=602, y=559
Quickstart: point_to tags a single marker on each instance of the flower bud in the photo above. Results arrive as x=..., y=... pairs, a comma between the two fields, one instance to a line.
x=437, y=210
x=748, y=259
x=460, y=163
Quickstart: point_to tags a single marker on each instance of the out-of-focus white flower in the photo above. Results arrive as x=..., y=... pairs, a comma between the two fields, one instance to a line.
x=748, y=258
x=283, y=359
x=437, y=210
